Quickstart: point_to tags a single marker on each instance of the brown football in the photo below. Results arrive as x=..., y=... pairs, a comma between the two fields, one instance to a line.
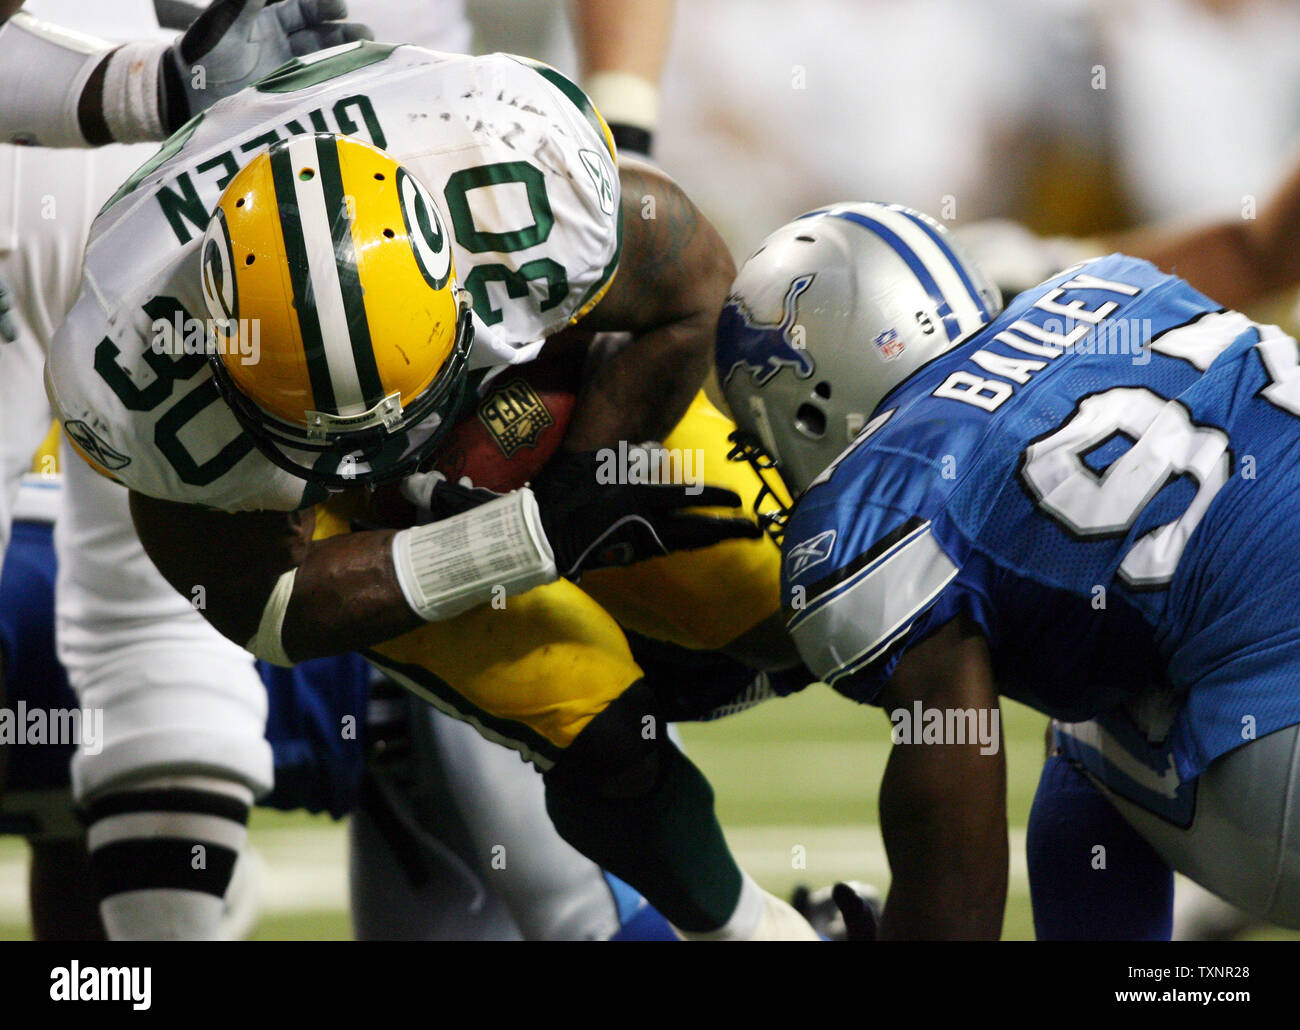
x=513, y=430
x=519, y=422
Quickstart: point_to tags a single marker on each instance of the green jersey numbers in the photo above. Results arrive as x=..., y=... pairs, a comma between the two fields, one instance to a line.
x=172, y=361
x=505, y=182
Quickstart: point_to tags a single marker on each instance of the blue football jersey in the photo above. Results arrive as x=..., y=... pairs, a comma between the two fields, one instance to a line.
x=1106, y=479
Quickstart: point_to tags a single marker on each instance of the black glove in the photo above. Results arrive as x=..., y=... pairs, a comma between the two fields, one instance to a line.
x=848, y=911
x=595, y=525
x=436, y=497
x=237, y=42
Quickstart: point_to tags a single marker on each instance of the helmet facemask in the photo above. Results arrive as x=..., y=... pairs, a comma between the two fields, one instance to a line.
x=380, y=445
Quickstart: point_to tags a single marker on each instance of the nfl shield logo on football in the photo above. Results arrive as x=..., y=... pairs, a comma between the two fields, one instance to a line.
x=889, y=345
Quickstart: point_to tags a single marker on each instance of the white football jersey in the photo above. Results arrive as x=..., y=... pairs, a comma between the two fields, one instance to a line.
x=520, y=160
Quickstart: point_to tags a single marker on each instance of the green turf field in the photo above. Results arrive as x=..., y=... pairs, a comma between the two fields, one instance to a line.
x=796, y=783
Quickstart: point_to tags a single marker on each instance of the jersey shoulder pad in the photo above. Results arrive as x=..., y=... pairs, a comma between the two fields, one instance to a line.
x=861, y=562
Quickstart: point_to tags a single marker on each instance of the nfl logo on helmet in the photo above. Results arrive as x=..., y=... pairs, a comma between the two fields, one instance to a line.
x=889, y=344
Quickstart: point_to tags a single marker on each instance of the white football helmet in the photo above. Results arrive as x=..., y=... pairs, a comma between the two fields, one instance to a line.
x=830, y=314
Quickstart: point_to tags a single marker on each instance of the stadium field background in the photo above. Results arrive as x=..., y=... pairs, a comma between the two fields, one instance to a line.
x=797, y=773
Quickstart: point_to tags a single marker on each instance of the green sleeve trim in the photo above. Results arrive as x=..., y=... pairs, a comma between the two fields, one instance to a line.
x=576, y=96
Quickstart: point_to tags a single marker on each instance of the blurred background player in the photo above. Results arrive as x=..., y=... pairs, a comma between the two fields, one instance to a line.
x=121, y=629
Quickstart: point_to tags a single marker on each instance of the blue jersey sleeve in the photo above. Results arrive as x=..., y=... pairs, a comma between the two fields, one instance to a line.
x=862, y=561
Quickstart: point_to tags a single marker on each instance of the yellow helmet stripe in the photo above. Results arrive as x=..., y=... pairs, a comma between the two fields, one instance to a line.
x=304, y=298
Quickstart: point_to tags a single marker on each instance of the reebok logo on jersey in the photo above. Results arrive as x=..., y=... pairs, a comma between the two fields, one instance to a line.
x=600, y=176
x=807, y=553
x=94, y=446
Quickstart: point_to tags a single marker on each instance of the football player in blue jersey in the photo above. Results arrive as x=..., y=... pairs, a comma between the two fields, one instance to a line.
x=1087, y=502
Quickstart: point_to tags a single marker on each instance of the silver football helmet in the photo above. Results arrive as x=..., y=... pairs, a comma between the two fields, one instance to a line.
x=830, y=314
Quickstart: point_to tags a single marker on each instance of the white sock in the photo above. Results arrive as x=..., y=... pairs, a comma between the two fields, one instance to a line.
x=759, y=916
x=163, y=853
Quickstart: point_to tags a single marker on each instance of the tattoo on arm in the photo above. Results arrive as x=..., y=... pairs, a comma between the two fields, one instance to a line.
x=669, y=218
x=673, y=275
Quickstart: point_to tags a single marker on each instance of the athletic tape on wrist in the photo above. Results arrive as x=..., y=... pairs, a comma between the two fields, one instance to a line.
x=131, y=93
x=39, y=62
x=448, y=567
x=626, y=98
x=267, y=643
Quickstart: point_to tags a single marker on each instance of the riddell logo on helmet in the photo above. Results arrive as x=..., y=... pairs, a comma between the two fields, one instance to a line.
x=181, y=335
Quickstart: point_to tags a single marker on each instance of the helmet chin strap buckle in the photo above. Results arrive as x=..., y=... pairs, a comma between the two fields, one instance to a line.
x=322, y=426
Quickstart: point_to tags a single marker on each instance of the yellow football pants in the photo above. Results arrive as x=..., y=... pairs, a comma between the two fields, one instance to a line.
x=533, y=672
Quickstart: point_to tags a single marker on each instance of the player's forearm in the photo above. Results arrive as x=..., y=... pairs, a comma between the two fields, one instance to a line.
x=346, y=597
x=287, y=597
x=1222, y=260
x=52, y=82
x=621, y=49
x=345, y=592
x=642, y=390
x=671, y=283
x=623, y=35
x=942, y=816
x=943, y=811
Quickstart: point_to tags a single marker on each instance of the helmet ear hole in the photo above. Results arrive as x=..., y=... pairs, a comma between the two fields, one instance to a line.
x=823, y=390
x=811, y=421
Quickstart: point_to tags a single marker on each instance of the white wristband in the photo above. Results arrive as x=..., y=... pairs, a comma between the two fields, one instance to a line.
x=625, y=98
x=267, y=643
x=131, y=93
x=448, y=567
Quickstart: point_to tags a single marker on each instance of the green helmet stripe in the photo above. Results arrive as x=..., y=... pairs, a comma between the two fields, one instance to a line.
x=304, y=297
x=345, y=259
